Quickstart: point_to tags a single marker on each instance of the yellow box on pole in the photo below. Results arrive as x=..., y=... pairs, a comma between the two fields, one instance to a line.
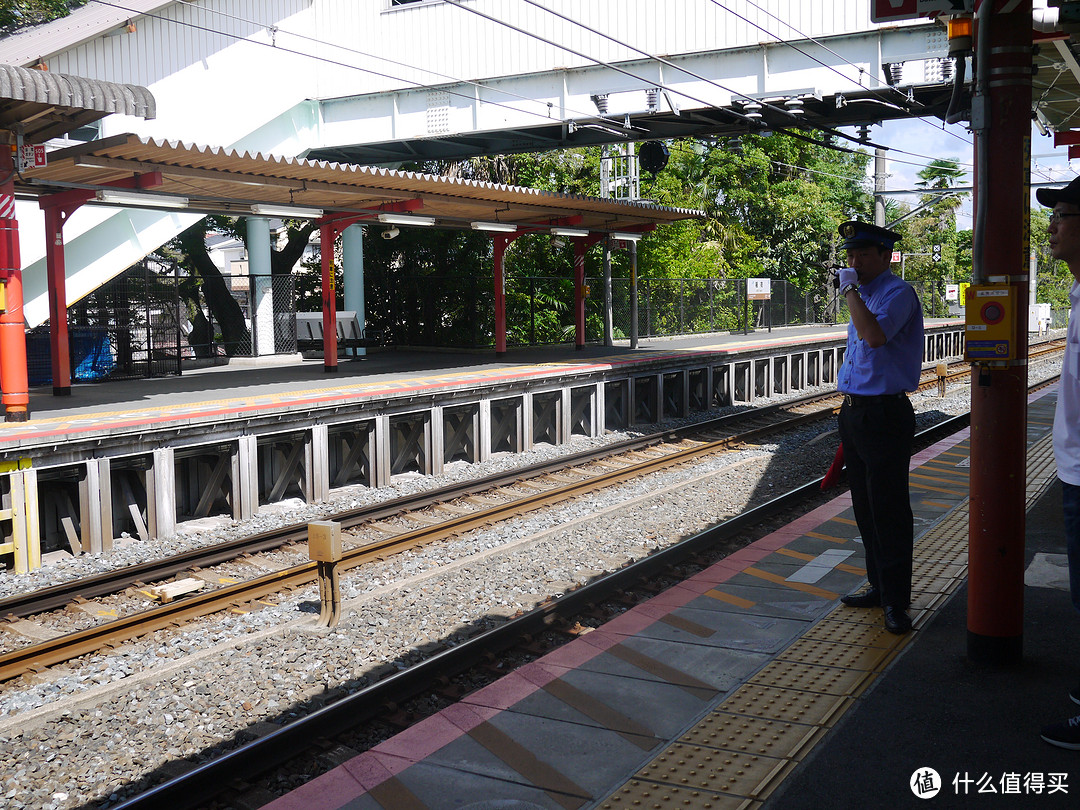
x=990, y=322
x=324, y=541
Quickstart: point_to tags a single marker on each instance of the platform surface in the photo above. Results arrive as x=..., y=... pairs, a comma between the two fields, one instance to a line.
x=278, y=384
x=750, y=685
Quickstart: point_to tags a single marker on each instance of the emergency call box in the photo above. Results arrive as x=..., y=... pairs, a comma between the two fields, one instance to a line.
x=990, y=322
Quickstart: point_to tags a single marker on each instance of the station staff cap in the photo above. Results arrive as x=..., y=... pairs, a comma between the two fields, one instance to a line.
x=862, y=234
x=1066, y=194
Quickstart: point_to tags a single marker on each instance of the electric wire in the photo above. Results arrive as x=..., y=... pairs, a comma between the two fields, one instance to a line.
x=545, y=115
x=825, y=47
x=793, y=46
x=794, y=117
x=695, y=75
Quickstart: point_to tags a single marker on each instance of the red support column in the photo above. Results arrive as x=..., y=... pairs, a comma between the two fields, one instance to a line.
x=327, y=236
x=999, y=391
x=57, y=281
x=500, y=243
x=13, y=376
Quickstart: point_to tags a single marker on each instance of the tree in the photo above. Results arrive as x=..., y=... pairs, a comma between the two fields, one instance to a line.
x=935, y=224
x=19, y=14
x=189, y=250
x=1054, y=278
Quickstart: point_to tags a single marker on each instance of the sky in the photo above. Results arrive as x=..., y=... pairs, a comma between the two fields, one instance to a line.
x=928, y=139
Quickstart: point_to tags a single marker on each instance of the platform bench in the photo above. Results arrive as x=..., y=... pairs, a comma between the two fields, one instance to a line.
x=309, y=332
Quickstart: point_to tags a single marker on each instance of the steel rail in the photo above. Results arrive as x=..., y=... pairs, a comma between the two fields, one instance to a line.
x=58, y=596
x=206, y=781
x=73, y=645
x=55, y=597
x=63, y=648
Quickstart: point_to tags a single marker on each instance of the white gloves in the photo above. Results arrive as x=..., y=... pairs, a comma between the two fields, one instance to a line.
x=849, y=275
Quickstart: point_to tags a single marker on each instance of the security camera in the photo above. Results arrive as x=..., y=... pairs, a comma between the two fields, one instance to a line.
x=390, y=233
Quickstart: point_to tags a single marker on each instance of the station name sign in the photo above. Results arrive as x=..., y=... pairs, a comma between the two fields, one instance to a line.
x=883, y=11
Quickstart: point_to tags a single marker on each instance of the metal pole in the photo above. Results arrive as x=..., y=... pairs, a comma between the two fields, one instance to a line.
x=879, y=187
x=633, y=296
x=579, y=293
x=499, y=244
x=609, y=327
x=327, y=237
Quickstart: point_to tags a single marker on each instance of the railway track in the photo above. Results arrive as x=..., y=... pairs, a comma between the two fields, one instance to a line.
x=493, y=499
x=516, y=493
x=390, y=706
x=304, y=743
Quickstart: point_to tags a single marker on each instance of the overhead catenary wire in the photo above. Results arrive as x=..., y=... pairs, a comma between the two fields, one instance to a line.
x=668, y=63
x=781, y=41
x=545, y=114
x=661, y=60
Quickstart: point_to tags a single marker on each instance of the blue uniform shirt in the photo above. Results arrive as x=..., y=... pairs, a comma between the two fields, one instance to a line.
x=896, y=366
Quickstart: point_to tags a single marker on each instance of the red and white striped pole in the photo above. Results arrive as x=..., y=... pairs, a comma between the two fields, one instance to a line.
x=14, y=389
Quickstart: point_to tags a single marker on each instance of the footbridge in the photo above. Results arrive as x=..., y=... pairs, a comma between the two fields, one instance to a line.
x=286, y=84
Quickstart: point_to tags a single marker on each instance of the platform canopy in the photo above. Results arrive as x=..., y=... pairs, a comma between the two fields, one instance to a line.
x=46, y=104
x=214, y=180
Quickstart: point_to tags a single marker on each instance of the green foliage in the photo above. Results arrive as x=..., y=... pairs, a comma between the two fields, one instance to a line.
x=772, y=205
x=19, y=14
x=1054, y=279
x=933, y=222
x=771, y=208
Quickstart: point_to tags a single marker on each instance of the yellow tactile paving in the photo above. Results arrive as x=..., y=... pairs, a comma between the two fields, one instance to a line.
x=791, y=702
x=810, y=708
x=698, y=767
x=756, y=736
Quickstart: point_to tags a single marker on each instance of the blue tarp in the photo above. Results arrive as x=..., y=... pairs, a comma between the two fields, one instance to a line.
x=91, y=350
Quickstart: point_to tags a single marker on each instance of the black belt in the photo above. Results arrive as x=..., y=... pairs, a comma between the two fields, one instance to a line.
x=858, y=401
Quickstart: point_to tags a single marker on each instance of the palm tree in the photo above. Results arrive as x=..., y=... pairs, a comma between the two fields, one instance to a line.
x=940, y=173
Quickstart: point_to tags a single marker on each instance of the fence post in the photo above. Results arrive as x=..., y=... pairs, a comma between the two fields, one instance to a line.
x=682, y=306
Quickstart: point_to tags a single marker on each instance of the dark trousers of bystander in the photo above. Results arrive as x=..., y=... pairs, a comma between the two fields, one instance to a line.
x=877, y=435
x=1071, y=504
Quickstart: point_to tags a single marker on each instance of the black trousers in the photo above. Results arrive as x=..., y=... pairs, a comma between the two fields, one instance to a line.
x=877, y=438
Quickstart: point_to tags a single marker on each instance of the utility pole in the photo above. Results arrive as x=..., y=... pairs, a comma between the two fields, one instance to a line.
x=879, y=187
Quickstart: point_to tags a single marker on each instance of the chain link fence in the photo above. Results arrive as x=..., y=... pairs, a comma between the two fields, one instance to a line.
x=151, y=321
x=128, y=328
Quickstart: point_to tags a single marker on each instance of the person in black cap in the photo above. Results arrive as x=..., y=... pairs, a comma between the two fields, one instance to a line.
x=882, y=362
x=1064, y=232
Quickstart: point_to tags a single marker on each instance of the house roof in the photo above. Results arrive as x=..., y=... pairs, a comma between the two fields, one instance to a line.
x=49, y=104
x=216, y=180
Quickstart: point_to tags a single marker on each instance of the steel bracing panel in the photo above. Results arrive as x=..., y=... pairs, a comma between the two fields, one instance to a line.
x=143, y=481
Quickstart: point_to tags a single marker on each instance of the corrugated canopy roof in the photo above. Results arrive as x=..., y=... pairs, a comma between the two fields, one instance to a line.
x=50, y=104
x=217, y=180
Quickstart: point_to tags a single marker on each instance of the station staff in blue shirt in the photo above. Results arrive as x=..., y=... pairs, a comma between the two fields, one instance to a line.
x=883, y=361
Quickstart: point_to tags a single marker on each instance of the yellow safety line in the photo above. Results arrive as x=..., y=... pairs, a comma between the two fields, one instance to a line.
x=856, y=650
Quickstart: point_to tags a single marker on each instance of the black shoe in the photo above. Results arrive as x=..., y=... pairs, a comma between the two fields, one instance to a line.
x=1064, y=735
x=896, y=620
x=1074, y=694
x=871, y=597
